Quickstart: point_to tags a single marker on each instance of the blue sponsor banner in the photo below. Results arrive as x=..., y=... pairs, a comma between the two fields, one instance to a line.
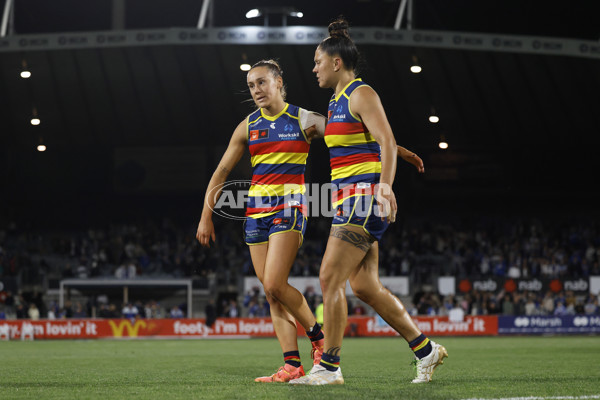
x=575, y=324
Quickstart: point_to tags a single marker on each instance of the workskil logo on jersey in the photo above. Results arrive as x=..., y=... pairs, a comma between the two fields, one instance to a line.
x=259, y=134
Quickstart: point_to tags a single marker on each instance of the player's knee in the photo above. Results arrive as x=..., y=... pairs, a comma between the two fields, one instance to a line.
x=363, y=293
x=273, y=291
x=330, y=284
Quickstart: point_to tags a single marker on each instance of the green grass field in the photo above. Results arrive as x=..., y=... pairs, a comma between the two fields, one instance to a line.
x=224, y=369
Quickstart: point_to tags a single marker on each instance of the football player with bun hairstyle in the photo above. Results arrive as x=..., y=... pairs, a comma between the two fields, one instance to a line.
x=278, y=136
x=363, y=165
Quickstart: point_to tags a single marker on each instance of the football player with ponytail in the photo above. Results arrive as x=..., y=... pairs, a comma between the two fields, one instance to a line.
x=363, y=154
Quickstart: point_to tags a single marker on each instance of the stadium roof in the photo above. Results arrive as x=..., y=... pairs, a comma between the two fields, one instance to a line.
x=508, y=116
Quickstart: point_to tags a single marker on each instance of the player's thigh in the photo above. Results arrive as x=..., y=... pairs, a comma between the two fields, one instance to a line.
x=258, y=254
x=346, y=248
x=280, y=257
x=365, y=278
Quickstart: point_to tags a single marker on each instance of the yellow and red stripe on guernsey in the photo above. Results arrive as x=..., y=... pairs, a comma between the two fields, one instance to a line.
x=355, y=156
x=278, y=150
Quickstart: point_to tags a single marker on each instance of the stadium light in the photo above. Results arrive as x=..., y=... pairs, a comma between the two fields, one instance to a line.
x=245, y=67
x=25, y=72
x=255, y=12
x=283, y=11
x=443, y=144
x=41, y=148
x=415, y=68
x=35, y=121
x=433, y=117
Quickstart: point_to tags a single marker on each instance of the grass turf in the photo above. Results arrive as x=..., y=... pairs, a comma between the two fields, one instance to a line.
x=377, y=368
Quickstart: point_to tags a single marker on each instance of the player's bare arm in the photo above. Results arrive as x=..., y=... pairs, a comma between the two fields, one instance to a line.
x=412, y=158
x=233, y=154
x=365, y=103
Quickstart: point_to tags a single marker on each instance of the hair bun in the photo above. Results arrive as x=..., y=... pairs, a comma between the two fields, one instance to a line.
x=339, y=28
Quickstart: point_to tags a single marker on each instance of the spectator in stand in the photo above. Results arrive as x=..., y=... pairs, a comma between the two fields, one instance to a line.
x=358, y=309
x=79, y=312
x=126, y=271
x=157, y=310
x=108, y=311
x=508, y=305
x=176, y=312
x=456, y=313
x=232, y=309
x=531, y=307
x=33, y=312
x=53, y=311
x=560, y=309
x=591, y=305
x=253, y=309
x=130, y=311
x=548, y=304
x=210, y=312
x=9, y=302
x=310, y=295
x=579, y=308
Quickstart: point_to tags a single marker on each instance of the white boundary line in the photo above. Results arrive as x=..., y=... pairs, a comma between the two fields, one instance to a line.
x=593, y=396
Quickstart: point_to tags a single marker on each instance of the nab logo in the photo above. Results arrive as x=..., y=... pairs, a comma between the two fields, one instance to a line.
x=329, y=114
x=132, y=331
x=259, y=134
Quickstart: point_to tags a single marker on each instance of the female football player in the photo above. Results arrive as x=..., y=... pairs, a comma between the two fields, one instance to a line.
x=363, y=164
x=278, y=136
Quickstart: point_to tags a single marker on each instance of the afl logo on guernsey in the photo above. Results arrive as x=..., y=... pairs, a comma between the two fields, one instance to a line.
x=259, y=134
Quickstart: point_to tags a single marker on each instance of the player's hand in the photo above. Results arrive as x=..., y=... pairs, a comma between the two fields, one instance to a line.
x=414, y=159
x=206, y=231
x=387, y=202
x=311, y=132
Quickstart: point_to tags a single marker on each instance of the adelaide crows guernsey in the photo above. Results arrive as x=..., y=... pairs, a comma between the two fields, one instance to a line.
x=278, y=151
x=354, y=155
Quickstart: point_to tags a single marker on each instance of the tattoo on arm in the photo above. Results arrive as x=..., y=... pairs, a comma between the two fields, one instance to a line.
x=334, y=351
x=354, y=238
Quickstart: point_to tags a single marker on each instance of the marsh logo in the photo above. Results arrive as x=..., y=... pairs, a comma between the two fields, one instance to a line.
x=522, y=322
x=581, y=321
x=132, y=330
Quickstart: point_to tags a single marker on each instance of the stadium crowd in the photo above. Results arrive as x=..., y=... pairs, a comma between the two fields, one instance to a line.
x=479, y=249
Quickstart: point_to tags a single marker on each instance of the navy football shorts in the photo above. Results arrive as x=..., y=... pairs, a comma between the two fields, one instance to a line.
x=361, y=211
x=258, y=230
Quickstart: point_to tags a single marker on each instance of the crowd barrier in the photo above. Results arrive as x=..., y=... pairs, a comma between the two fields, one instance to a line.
x=262, y=327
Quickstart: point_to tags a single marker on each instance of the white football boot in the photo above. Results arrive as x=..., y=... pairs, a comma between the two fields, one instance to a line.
x=427, y=365
x=320, y=376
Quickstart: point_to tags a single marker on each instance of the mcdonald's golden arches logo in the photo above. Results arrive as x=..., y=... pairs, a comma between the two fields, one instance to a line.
x=132, y=330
